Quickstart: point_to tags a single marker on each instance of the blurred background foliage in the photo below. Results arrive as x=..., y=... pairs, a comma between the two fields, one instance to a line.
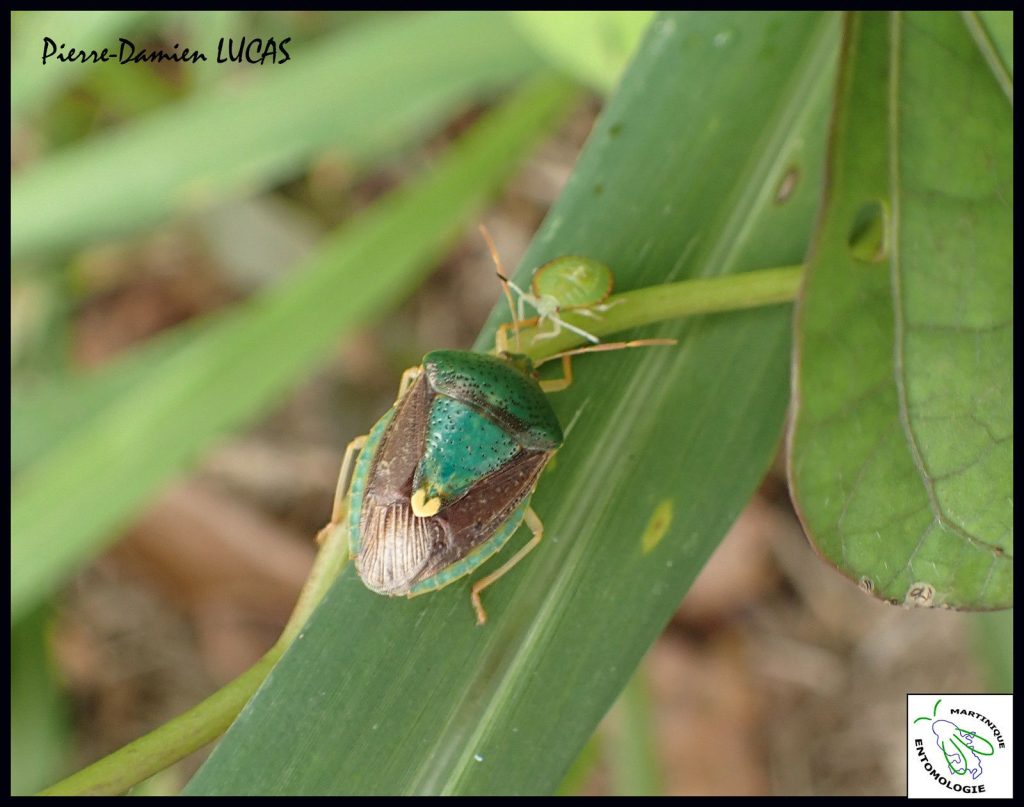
x=209, y=300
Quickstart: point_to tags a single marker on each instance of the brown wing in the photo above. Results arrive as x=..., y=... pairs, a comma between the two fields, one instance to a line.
x=395, y=544
x=399, y=549
x=476, y=516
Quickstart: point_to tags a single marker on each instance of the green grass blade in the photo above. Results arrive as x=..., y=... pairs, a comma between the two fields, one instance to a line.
x=594, y=47
x=999, y=25
x=632, y=750
x=40, y=735
x=901, y=454
x=44, y=416
x=32, y=83
x=680, y=177
x=993, y=33
x=66, y=505
x=365, y=90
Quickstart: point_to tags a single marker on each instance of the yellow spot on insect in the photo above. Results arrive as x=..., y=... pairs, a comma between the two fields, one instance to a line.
x=422, y=507
x=660, y=521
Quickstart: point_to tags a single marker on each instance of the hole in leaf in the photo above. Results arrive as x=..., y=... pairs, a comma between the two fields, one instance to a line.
x=868, y=237
x=787, y=184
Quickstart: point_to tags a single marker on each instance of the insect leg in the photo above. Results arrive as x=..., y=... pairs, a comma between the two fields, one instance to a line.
x=408, y=377
x=535, y=525
x=556, y=328
x=559, y=384
x=559, y=323
x=501, y=337
x=604, y=346
x=579, y=331
x=501, y=342
x=595, y=310
x=341, y=491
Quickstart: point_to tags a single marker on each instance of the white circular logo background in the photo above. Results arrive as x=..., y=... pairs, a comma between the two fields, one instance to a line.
x=959, y=746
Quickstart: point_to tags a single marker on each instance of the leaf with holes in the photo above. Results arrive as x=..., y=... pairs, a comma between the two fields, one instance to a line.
x=902, y=446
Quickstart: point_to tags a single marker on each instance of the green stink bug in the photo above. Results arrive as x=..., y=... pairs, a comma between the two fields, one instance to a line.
x=445, y=477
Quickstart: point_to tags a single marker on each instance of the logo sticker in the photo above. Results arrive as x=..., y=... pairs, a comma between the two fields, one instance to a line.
x=958, y=746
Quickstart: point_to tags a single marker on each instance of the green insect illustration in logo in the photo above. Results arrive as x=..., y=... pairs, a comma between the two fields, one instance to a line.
x=960, y=747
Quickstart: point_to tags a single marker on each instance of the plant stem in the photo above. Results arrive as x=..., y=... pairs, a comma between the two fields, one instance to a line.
x=153, y=752
x=653, y=304
x=203, y=723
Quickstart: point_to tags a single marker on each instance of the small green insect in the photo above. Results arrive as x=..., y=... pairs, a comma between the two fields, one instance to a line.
x=569, y=283
x=445, y=477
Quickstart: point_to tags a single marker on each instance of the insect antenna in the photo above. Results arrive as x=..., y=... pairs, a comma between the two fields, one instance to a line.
x=499, y=270
x=607, y=346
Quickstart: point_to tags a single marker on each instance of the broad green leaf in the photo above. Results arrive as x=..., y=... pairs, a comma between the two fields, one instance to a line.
x=901, y=452
x=680, y=178
x=953, y=283
x=66, y=505
x=594, y=46
x=363, y=91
